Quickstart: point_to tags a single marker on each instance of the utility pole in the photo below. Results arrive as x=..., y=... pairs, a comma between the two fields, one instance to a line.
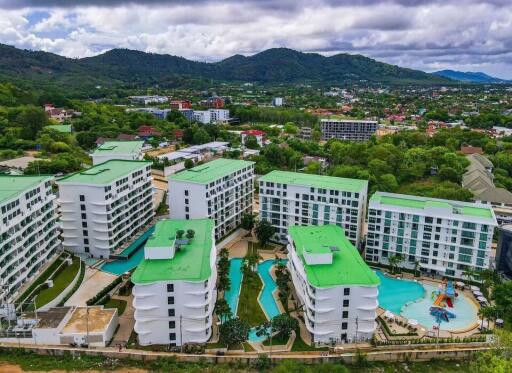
x=37, y=320
x=87, y=325
x=357, y=328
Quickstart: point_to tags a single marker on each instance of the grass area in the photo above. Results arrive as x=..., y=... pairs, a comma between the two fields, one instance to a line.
x=117, y=303
x=276, y=340
x=248, y=347
x=248, y=306
x=215, y=345
x=39, y=280
x=300, y=345
x=60, y=282
x=29, y=361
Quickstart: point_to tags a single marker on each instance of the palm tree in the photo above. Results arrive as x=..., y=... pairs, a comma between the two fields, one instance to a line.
x=393, y=262
x=223, y=310
x=416, y=265
x=470, y=274
x=490, y=279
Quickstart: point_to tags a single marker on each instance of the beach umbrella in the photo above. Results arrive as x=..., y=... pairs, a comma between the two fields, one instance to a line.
x=478, y=293
x=412, y=322
x=499, y=321
x=481, y=299
x=484, y=324
x=475, y=288
x=460, y=284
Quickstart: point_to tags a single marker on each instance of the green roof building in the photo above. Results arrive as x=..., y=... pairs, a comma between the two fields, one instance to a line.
x=211, y=171
x=293, y=198
x=174, y=293
x=120, y=150
x=333, y=283
x=445, y=237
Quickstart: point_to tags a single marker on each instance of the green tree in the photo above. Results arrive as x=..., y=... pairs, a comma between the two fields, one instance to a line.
x=247, y=222
x=264, y=232
x=291, y=128
x=448, y=174
x=233, y=332
x=189, y=163
x=222, y=310
x=32, y=120
x=251, y=142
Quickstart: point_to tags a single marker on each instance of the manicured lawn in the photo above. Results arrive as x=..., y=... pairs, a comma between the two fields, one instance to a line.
x=60, y=282
x=42, y=278
x=300, y=345
x=248, y=307
x=116, y=303
x=215, y=345
x=276, y=340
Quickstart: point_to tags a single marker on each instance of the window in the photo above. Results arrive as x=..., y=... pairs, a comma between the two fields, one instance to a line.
x=346, y=291
x=84, y=216
x=172, y=324
x=171, y=312
x=85, y=233
x=344, y=325
x=345, y=315
x=172, y=336
x=345, y=302
x=82, y=207
x=82, y=198
x=186, y=192
x=84, y=224
x=170, y=288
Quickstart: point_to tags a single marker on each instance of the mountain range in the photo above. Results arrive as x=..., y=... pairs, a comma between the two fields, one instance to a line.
x=136, y=68
x=470, y=77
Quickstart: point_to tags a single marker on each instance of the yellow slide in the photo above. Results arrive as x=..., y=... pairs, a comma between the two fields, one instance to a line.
x=439, y=300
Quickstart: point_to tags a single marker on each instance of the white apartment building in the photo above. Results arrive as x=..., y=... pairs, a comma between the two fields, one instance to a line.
x=444, y=237
x=219, y=115
x=292, y=198
x=105, y=206
x=127, y=150
x=336, y=288
x=348, y=129
x=202, y=116
x=28, y=230
x=174, y=292
x=277, y=101
x=221, y=190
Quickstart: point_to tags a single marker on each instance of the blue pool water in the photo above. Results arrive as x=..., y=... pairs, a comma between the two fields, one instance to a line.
x=133, y=255
x=235, y=276
x=413, y=300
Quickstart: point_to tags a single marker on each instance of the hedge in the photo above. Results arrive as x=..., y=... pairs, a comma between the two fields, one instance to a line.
x=94, y=300
x=390, y=333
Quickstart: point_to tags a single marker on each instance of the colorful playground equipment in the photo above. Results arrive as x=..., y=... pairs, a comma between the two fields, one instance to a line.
x=441, y=314
x=444, y=296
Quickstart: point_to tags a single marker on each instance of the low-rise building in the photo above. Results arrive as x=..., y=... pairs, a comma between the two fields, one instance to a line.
x=174, y=292
x=292, y=198
x=148, y=99
x=92, y=326
x=439, y=237
x=336, y=289
x=221, y=190
x=259, y=135
x=181, y=104
x=219, y=115
x=28, y=230
x=348, y=129
x=105, y=206
x=146, y=132
x=277, y=101
x=202, y=116
x=126, y=150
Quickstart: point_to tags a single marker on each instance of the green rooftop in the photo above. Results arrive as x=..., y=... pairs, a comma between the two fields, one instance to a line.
x=64, y=128
x=347, y=268
x=316, y=181
x=119, y=147
x=104, y=173
x=13, y=186
x=190, y=263
x=420, y=203
x=211, y=171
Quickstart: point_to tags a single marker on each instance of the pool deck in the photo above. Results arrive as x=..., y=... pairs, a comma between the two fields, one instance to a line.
x=460, y=333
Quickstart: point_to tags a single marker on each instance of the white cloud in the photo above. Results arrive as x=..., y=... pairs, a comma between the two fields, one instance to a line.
x=462, y=34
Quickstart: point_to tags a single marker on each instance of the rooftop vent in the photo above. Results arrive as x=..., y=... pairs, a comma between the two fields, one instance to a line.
x=334, y=248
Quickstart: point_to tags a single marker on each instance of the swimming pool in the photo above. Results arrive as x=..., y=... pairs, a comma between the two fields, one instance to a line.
x=130, y=257
x=266, y=298
x=235, y=275
x=413, y=300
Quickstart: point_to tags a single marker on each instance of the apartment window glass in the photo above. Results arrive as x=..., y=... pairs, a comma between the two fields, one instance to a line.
x=346, y=291
x=345, y=315
x=172, y=336
x=345, y=303
x=170, y=288
x=172, y=324
x=82, y=198
x=344, y=325
x=170, y=300
x=171, y=312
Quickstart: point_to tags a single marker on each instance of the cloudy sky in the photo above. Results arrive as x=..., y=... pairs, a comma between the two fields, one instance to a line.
x=468, y=35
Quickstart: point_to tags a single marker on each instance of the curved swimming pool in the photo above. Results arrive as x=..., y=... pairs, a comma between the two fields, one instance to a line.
x=413, y=300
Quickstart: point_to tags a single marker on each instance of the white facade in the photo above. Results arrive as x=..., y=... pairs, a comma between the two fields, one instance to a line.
x=28, y=230
x=333, y=313
x=287, y=200
x=348, y=129
x=202, y=116
x=176, y=311
x=101, y=214
x=277, y=101
x=219, y=115
x=444, y=237
x=223, y=198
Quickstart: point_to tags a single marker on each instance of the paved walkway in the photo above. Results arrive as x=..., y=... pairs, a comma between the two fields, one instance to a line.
x=94, y=281
x=236, y=235
x=126, y=321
